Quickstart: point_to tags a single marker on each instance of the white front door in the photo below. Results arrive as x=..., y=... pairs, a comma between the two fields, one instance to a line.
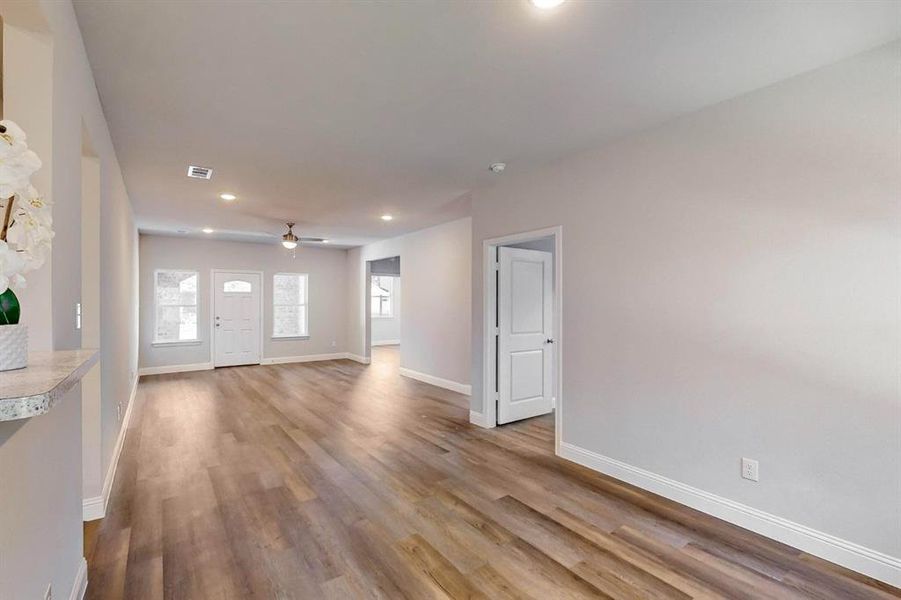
x=236, y=318
x=525, y=334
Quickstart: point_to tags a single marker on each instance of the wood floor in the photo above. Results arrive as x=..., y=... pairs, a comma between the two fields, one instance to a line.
x=338, y=480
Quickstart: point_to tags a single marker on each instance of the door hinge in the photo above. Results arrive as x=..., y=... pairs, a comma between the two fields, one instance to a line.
x=497, y=330
x=497, y=266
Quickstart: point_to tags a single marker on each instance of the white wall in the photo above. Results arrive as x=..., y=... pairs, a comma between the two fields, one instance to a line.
x=731, y=289
x=386, y=330
x=435, y=321
x=327, y=293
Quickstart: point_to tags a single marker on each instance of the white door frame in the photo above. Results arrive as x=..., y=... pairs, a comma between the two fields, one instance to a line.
x=489, y=306
x=213, y=308
x=367, y=303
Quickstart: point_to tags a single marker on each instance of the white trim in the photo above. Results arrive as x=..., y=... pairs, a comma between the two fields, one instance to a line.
x=842, y=552
x=175, y=368
x=95, y=508
x=385, y=342
x=356, y=357
x=80, y=585
x=213, y=310
x=178, y=343
x=280, y=360
x=489, y=300
x=460, y=388
x=477, y=418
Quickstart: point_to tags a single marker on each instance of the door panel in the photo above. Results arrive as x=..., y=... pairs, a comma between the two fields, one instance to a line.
x=525, y=355
x=236, y=318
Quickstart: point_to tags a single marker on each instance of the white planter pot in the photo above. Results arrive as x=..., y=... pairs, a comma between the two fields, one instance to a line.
x=13, y=347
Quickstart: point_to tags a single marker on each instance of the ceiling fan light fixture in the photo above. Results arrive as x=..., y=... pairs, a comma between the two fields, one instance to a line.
x=289, y=240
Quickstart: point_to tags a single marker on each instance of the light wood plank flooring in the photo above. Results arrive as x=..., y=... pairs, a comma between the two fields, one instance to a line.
x=337, y=480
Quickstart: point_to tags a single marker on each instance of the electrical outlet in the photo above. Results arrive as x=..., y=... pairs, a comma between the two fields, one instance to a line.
x=750, y=469
x=334, y=343
x=48, y=595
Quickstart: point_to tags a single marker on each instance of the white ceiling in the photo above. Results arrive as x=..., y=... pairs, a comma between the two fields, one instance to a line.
x=332, y=113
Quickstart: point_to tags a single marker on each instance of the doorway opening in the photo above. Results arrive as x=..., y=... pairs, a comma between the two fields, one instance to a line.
x=522, y=328
x=384, y=312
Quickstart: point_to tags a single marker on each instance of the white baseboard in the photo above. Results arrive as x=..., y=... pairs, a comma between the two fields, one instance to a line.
x=386, y=343
x=356, y=357
x=460, y=388
x=80, y=586
x=175, y=369
x=477, y=418
x=95, y=508
x=280, y=360
x=842, y=552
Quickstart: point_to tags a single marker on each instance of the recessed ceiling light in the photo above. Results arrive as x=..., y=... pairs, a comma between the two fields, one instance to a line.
x=497, y=167
x=546, y=4
x=207, y=230
x=228, y=197
x=387, y=217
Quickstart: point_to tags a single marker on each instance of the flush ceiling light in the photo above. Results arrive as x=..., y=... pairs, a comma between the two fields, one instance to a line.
x=497, y=167
x=207, y=230
x=546, y=4
x=325, y=241
x=228, y=197
x=289, y=240
x=387, y=217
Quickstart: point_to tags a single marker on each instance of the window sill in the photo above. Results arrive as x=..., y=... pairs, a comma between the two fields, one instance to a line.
x=289, y=338
x=178, y=343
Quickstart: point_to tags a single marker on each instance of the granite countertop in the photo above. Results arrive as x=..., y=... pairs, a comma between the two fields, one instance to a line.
x=35, y=389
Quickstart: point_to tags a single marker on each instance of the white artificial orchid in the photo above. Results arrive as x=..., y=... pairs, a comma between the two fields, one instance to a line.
x=25, y=216
x=17, y=162
x=31, y=231
x=12, y=264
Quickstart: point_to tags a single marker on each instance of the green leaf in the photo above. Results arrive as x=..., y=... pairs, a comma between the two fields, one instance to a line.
x=9, y=308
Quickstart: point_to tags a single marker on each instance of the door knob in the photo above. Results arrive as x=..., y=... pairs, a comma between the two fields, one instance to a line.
x=549, y=341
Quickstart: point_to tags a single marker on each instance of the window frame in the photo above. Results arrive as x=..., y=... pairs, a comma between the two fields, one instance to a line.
x=391, y=297
x=306, y=305
x=156, y=312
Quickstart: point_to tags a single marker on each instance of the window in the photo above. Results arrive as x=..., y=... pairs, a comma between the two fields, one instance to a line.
x=237, y=286
x=176, y=306
x=382, y=296
x=289, y=305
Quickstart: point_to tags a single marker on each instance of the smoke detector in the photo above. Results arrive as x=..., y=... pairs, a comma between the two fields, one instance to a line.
x=497, y=167
x=200, y=172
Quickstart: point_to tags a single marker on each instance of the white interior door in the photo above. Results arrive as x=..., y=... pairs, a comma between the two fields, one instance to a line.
x=236, y=318
x=525, y=334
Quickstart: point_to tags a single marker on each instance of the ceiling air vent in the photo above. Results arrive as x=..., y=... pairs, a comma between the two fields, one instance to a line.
x=200, y=172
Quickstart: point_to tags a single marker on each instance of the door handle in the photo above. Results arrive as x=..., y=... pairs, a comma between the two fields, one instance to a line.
x=549, y=341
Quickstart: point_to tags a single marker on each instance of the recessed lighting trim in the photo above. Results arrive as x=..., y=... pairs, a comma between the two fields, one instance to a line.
x=546, y=4
x=207, y=230
x=387, y=217
x=228, y=197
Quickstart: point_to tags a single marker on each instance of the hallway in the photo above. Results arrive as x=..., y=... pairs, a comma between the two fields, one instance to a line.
x=336, y=480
